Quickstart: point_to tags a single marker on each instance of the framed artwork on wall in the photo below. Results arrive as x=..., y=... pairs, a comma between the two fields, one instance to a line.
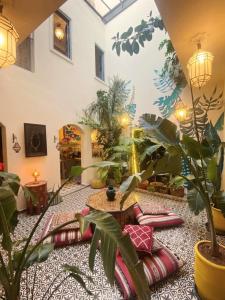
x=35, y=140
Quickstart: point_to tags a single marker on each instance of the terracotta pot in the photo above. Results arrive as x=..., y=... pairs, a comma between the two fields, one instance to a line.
x=143, y=185
x=178, y=192
x=157, y=186
x=209, y=277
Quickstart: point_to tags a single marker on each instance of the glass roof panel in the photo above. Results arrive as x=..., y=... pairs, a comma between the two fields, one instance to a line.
x=104, y=6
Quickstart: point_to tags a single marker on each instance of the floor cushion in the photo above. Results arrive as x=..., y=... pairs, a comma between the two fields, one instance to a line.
x=171, y=219
x=156, y=267
x=151, y=208
x=141, y=237
x=68, y=236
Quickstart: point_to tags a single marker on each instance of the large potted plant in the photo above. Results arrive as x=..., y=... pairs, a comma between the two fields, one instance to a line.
x=16, y=257
x=205, y=157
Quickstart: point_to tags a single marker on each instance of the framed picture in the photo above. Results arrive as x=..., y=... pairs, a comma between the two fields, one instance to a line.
x=35, y=140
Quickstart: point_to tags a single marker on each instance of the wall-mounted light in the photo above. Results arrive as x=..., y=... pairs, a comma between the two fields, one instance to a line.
x=180, y=112
x=8, y=40
x=59, y=32
x=200, y=67
x=16, y=146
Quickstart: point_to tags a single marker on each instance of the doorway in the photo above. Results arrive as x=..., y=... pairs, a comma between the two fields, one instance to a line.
x=70, y=150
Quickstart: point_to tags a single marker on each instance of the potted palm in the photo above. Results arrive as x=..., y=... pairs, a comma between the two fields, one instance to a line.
x=205, y=157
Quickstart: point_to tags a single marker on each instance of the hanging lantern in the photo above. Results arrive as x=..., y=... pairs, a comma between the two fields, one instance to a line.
x=8, y=40
x=59, y=32
x=181, y=112
x=200, y=67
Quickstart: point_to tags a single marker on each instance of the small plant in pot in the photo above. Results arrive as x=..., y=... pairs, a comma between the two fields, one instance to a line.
x=202, y=155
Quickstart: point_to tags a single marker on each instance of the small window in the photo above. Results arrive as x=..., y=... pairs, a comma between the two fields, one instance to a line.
x=61, y=32
x=25, y=54
x=99, y=63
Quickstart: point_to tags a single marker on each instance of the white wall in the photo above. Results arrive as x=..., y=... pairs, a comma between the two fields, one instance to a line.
x=54, y=95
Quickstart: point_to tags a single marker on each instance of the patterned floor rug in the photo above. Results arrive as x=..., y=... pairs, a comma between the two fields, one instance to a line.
x=180, y=239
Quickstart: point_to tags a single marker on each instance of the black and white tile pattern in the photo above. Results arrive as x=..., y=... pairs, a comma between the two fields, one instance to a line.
x=180, y=239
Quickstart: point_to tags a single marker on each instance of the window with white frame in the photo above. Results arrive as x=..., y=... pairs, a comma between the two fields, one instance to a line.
x=25, y=54
x=61, y=33
x=99, y=63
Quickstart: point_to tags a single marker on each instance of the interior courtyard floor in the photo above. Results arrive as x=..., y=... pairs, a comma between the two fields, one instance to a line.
x=181, y=240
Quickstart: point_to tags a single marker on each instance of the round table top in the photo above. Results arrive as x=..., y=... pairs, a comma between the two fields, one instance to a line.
x=100, y=202
x=37, y=183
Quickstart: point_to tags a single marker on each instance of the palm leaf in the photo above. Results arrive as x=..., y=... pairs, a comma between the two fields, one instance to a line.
x=110, y=237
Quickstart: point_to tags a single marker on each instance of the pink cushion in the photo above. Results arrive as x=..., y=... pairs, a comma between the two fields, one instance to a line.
x=171, y=219
x=151, y=208
x=66, y=237
x=141, y=237
x=157, y=267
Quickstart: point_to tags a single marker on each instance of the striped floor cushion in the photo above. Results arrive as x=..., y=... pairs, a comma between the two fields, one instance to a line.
x=171, y=219
x=66, y=237
x=157, y=267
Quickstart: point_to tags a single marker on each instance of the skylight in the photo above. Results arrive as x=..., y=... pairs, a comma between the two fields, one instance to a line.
x=108, y=9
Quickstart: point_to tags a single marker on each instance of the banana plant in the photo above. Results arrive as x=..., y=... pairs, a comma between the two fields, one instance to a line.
x=205, y=158
x=16, y=257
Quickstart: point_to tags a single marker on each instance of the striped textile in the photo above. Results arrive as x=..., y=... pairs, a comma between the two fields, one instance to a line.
x=171, y=219
x=156, y=267
x=66, y=237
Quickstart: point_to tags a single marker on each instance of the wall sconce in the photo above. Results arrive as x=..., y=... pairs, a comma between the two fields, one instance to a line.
x=8, y=40
x=59, y=32
x=16, y=146
x=124, y=120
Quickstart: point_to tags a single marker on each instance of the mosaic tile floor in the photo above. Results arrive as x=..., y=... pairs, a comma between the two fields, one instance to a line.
x=180, y=239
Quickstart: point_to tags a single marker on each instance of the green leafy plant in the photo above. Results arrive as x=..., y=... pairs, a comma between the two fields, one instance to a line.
x=103, y=114
x=201, y=107
x=16, y=257
x=205, y=156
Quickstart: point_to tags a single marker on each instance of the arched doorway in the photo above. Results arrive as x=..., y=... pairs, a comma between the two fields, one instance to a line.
x=70, y=137
x=3, y=156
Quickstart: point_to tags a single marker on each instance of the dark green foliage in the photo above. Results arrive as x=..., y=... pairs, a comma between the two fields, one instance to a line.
x=201, y=105
x=135, y=37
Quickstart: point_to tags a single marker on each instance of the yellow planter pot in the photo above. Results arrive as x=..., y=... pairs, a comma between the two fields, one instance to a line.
x=97, y=184
x=209, y=277
x=219, y=220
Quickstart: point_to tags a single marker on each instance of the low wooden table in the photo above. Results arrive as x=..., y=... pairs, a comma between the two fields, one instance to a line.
x=40, y=191
x=99, y=201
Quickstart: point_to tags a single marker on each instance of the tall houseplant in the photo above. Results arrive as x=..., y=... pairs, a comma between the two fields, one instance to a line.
x=205, y=156
x=17, y=256
x=104, y=114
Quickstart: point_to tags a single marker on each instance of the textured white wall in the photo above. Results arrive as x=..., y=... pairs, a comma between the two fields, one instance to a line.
x=54, y=94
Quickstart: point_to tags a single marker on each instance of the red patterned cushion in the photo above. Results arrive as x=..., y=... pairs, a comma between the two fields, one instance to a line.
x=66, y=237
x=157, y=267
x=151, y=208
x=141, y=237
x=171, y=219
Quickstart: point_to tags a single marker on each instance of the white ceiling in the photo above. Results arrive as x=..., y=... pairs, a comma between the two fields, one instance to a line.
x=186, y=19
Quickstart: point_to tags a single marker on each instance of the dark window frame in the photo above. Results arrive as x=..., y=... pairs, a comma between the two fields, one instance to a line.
x=67, y=19
x=100, y=70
